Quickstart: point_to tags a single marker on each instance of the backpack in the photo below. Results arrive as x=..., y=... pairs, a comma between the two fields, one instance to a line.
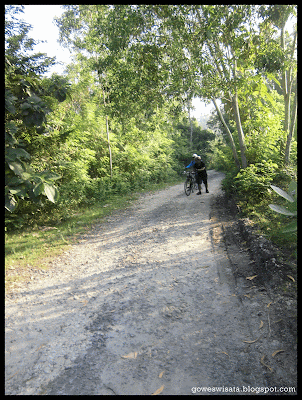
x=198, y=164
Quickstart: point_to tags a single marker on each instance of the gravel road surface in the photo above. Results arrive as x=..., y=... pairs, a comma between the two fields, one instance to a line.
x=147, y=303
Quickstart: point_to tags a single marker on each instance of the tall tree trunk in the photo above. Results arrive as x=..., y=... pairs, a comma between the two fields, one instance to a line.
x=233, y=147
x=291, y=130
x=285, y=89
x=191, y=127
x=286, y=98
x=239, y=131
x=238, y=122
x=108, y=138
x=107, y=122
x=286, y=85
x=109, y=147
x=224, y=74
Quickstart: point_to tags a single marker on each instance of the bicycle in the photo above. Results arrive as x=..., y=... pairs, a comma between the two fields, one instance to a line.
x=190, y=183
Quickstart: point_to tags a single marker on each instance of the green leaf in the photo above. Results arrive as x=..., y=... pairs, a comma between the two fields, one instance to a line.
x=47, y=176
x=25, y=106
x=51, y=192
x=282, y=193
x=22, y=153
x=281, y=210
x=14, y=153
x=10, y=203
x=273, y=77
x=17, y=167
x=27, y=176
x=9, y=101
x=292, y=189
x=34, y=119
x=20, y=192
x=53, y=177
x=38, y=189
x=15, y=180
x=11, y=127
x=290, y=228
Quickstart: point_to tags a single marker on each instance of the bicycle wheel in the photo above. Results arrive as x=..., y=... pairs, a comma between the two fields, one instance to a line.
x=188, y=187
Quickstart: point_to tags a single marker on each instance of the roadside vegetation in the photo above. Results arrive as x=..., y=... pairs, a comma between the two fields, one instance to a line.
x=118, y=122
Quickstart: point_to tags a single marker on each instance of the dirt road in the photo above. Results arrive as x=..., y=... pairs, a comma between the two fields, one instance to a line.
x=148, y=303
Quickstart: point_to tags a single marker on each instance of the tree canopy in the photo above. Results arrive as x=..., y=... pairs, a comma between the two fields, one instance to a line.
x=119, y=118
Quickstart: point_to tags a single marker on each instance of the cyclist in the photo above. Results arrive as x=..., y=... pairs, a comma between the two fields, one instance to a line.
x=200, y=172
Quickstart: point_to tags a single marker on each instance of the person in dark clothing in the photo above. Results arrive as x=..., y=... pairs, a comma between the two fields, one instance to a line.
x=200, y=172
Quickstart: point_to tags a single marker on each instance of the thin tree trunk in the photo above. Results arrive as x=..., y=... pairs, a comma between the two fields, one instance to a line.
x=240, y=131
x=291, y=130
x=107, y=125
x=108, y=139
x=234, y=99
x=238, y=123
x=286, y=85
x=191, y=127
x=233, y=147
x=285, y=89
x=109, y=147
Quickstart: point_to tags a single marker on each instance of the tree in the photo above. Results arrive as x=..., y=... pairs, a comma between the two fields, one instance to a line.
x=19, y=47
x=25, y=114
x=24, y=111
x=105, y=57
x=229, y=134
x=277, y=15
x=227, y=29
x=150, y=53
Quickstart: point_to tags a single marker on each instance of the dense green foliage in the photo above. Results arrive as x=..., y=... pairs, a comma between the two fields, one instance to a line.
x=56, y=132
x=118, y=121
x=27, y=102
x=292, y=206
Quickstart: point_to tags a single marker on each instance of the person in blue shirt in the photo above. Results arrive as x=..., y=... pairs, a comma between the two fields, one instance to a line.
x=193, y=161
x=200, y=172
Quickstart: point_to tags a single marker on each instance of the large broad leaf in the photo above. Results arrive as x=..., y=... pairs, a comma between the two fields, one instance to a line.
x=282, y=193
x=34, y=119
x=11, y=128
x=13, y=153
x=51, y=192
x=10, y=203
x=47, y=176
x=16, y=166
x=282, y=210
x=290, y=228
x=38, y=189
x=292, y=189
x=273, y=77
x=9, y=101
x=20, y=192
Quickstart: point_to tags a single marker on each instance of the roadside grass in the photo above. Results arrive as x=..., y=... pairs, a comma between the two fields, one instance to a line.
x=35, y=247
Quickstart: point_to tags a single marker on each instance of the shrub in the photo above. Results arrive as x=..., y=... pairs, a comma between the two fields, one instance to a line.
x=291, y=209
x=254, y=181
x=221, y=157
x=285, y=175
x=228, y=182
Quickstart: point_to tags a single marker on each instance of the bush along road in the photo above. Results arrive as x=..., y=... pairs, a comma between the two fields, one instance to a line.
x=161, y=298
